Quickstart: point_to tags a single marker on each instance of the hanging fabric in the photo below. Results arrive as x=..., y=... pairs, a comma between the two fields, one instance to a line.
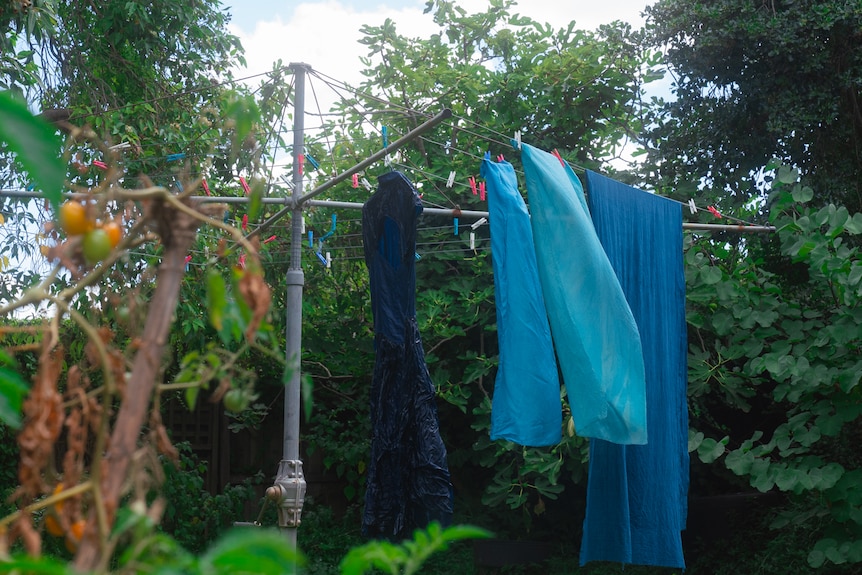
x=526, y=407
x=636, y=494
x=594, y=333
x=408, y=482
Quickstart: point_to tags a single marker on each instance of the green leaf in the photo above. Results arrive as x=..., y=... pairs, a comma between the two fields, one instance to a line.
x=35, y=566
x=802, y=194
x=252, y=552
x=788, y=174
x=216, y=298
x=12, y=392
x=36, y=145
x=710, y=449
x=816, y=558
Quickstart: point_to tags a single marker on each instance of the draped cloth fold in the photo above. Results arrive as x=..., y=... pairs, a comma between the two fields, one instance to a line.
x=636, y=494
x=408, y=483
x=526, y=407
x=594, y=333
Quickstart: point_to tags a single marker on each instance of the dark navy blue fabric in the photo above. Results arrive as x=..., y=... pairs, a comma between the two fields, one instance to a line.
x=526, y=407
x=408, y=483
x=636, y=494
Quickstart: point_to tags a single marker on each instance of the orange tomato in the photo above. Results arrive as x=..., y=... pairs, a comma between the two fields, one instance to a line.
x=73, y=537
x=52, y=526
x=73, y=218
x=114, y=231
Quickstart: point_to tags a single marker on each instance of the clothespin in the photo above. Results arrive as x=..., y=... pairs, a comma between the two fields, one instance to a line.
x=482, y=191
x=301, y=164
x=321, y=257
x=226, y=217
x=31, y=187
x=100, y=164
x=488, y=155
x=328, y=261
x=385, y=133
x=244, y=185
x=311, y=239
x=473, y=227
x=366, y=185
x=245, y=221
x=269, y=239
x=472, y=181
x=451, y=181
x=188, y=259
x=417, y=256
x=179, y=185
x=714, y=211
x=500, y=158
x=205, y=186
x=120, y=146
x=175, y=157
x=312, y=161
x=455, y=221
x=691, y=207
x=516, y=141
x=355, y=180
x=242, y=261
x=559, y=157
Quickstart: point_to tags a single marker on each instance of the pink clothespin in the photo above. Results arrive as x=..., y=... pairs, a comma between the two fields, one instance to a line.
x=205, y=186
x=482, y=191
x=244, y=185
x=301, y=164
x=714, y=211
x=559, y=157
x=100, y=164
x=472, y=181
x=269, y=239
x=355, y=180
x=245, y=221
x=242, y=261
x=500, y=158
x=188, y=259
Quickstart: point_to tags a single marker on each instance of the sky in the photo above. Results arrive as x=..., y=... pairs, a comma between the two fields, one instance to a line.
x=324, y=33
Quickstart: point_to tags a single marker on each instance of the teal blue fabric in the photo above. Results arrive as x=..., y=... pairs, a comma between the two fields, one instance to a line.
x=594, y=333
x=636, y=494
x=526, y=406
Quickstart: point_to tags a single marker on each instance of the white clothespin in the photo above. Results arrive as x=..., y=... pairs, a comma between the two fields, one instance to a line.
x=517, y=139
x=691, y=206
x=472, y=240
x=451, y=179
x=473, y=227
x=328, y=260
x=303, y=225
x=120, y=146
x=365, y=184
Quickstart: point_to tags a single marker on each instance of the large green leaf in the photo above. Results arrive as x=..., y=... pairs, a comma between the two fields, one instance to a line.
x=36, y=145
x=12, y=392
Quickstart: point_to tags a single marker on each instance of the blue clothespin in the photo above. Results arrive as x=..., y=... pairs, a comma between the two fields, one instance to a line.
x=488, y=155
x=31, y=187
x=456, y=225
x=331, y=231
x=312, y=161
x=384, y=133
x=179, y=185
x=323, y=259
x=311, y=239
x=175, y=157
x=417, y=256
x=226, y=218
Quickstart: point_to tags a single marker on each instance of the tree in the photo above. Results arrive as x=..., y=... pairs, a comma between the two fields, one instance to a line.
x=754, y=81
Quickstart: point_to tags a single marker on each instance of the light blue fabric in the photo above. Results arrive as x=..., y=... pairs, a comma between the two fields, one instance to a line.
x=636, y=494
x=594, y=333
x=526, y=407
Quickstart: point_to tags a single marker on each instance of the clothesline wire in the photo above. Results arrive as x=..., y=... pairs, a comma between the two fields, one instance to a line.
x=329, y=80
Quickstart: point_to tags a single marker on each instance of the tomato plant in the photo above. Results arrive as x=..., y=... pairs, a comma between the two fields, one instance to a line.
x=96, y=246
x=73, y=218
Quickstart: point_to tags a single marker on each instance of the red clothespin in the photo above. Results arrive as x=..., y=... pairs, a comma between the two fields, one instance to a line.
x=559, y=157
x=355, y=180
x=188, y=259
x=100, y=164
x=245, y=221
x=714, y=212
x=482, y=191
x=301, y=164
x=205, y=186
x=269, y=239
x=472, y=181
x=242, y=261
x=244, y=185
x=500, y=158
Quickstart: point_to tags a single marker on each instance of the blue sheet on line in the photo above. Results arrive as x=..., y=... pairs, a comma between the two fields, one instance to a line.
x=594, y=333
x=526, y=406
x=636, y=494
x=408, y=482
